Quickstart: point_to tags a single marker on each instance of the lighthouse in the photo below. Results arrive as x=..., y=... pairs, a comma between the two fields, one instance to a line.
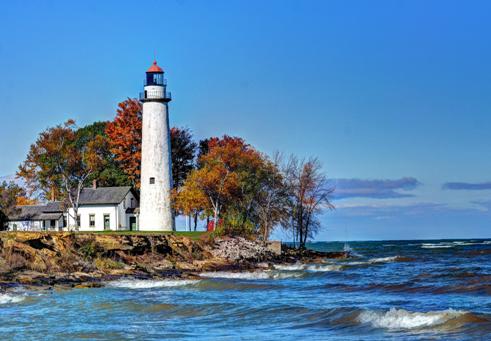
x=156, y=168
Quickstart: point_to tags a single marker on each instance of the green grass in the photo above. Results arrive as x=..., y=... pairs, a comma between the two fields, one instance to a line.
x=189, y=234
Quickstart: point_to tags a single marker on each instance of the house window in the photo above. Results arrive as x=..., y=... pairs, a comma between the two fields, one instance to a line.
x=107, y=221
x=91, y=220
x=64, y=220
x=132, y=203
x=152, y=181
x=78, y=220
x=52, y=223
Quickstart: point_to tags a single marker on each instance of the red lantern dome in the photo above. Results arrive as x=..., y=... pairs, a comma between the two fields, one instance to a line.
x=155, y=68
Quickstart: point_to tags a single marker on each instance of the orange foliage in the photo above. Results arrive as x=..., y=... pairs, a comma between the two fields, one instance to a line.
x=219, y=180
x=24, y=201
x=125, y=136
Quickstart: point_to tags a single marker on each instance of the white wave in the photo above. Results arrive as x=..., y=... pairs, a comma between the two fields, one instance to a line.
x=356, y=263
x=290, y=267
x=250, y=275
x=471, y=243
x=6, y=298
x=236, y=275
x=321, y=267
x=284, y=275
x=148, y=284
x=436, y=246
x=383, y=259
x=403, y=319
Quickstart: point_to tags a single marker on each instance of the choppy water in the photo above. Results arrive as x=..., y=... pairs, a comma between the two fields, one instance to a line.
x=392, y=290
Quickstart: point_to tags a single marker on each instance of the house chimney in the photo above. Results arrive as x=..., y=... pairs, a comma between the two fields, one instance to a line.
x=94, y=184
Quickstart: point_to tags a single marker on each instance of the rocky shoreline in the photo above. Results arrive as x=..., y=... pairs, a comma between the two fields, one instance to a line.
x=47, y=260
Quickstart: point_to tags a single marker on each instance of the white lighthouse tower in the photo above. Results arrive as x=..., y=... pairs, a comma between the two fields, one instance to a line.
x=156, y=168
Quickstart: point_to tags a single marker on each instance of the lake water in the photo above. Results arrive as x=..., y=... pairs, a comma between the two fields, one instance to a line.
x=406, y=290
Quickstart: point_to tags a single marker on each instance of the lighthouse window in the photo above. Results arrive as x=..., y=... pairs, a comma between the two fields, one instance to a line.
x=152, y=181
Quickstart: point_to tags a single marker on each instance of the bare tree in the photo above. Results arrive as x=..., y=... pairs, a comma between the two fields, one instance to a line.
x=309, y=196
x=272, y=201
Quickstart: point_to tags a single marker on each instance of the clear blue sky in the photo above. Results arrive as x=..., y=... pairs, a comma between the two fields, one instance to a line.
x=392, y=96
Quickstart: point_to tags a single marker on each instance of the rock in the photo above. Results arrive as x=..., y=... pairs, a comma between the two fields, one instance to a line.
x=80, y=259
x=235, y=249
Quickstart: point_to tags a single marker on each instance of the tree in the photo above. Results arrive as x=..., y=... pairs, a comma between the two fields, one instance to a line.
x=111, y=174
x=272, y=199
x=234, y=183
x=183, y=150
x=309, y=194
x=9, y=196
x=56, y=155
x=125, y=137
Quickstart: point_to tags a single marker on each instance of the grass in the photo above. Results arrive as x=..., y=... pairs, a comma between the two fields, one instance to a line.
x=189, y=234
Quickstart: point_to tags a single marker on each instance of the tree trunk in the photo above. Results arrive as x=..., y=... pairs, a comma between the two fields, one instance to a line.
x=195, y=221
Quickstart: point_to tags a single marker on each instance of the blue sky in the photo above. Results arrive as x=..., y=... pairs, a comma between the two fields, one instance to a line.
x=392, y=96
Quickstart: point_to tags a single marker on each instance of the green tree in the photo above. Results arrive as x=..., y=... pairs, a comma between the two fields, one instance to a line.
x=183, y=151
x=111, y=174
x=10, y=193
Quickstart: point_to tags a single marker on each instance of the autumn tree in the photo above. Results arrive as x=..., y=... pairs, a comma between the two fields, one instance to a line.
x=125, y=137
x=231, y=183
x=56, y=155
x=10, y=195
x=309, y=196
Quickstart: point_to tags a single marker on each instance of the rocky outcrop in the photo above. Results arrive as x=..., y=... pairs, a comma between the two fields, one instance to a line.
x=238, y=249
x=86, y=259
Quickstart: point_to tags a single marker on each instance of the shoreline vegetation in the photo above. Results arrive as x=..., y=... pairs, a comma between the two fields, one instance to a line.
x=44, y=260
x=222, y=182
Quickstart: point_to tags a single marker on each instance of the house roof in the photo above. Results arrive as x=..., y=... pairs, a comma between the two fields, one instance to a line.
x=35, y=212
x=103, y=195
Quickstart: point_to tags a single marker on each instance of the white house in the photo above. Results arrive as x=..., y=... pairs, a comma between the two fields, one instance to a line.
x=101, y=208
x=47, y=217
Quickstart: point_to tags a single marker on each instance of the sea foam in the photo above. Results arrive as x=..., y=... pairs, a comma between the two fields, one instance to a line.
x=403, y=319
x=256, y=275
x=384, y=259
x=147, y=284
x=436, y=246
x=6, y=298
x=290, y=267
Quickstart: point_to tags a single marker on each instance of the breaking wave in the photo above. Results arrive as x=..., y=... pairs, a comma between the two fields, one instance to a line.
x=290, y=267
x=256, y=275
x=6, y=298
x=308, y=267
x=399, y=319
x=323, y=267
x=385, y=259
x=436, y=246
x=148, y=284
